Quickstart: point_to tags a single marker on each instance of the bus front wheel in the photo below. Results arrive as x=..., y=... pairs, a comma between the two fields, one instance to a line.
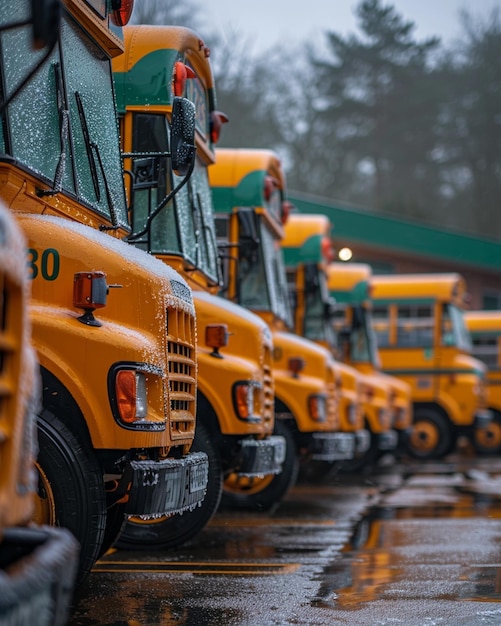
x=488, y=440
x=264, y=493
x=70, y=489
x=431, y=436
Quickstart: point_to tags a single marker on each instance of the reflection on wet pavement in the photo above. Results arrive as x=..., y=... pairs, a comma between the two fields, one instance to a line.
x=413, y=545
x=436, y=538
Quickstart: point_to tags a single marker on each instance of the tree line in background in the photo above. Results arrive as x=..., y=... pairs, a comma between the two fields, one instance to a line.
x=375, y=119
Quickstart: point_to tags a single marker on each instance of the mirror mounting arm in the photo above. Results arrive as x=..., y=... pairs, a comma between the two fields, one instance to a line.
x=161, y=205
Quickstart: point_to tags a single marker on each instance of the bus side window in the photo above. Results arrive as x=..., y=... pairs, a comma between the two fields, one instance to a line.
x=485, y=348
x=381, y=319
x=415, y=326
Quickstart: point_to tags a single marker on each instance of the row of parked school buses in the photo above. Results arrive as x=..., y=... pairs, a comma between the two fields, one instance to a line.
x=197, y=346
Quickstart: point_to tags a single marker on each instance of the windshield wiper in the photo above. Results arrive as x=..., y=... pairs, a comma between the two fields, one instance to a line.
x=88, y=145
x=91, y=147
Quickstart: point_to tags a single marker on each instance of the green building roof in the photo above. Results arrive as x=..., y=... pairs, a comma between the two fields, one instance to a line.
x=399, y=235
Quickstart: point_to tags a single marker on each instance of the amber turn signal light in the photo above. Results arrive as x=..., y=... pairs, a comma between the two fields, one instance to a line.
x=89, y=293
x=216, y=337
x=296, y=365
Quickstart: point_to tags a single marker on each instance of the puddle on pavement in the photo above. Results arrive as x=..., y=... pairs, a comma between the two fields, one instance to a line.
x=434, y=538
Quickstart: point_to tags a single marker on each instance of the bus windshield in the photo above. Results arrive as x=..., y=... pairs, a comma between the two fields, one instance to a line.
x=195, y=221
x=59, y=124
x=316, y=324
x=454, y=331
x=363, y=339
x=276, y=296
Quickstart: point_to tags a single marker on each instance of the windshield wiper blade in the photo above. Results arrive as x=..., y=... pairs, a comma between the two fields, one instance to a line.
x=88, y=145
x=93, y=148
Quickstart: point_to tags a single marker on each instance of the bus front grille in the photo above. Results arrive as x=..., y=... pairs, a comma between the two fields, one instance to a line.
x=268, y=387
x=182, y=372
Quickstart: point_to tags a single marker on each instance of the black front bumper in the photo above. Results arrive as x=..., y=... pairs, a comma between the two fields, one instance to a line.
x=362, y=441
x=167, y=487
x=387, y=440
x=483, y=419
x=331, y=447
x=259, y=457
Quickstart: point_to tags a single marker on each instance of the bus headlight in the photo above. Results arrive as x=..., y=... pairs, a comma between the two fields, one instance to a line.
x=132, y=401
x=352, y=414
x=317, y=406
x=247, y=400
x=136, y=392
x=383, y=415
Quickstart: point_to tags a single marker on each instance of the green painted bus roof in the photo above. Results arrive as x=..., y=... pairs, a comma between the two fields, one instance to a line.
x=147, y=82
x=248, y=193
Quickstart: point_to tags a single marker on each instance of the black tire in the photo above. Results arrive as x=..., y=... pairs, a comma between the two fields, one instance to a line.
x=266, y=493
x=70, y=489
x=488, y=440
x=170, y=532
x=432, y=436
x=115, y=523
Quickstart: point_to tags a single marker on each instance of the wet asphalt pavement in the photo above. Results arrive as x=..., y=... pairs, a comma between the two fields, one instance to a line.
x=414, y=544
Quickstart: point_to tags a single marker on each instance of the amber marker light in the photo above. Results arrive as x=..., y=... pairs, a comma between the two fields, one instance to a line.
x=217, y=119
x=89, y=293
x=182, y=73
x=121, y=11
x=216, y=337
x=327, y=250
x=296, y=365
x=369, y=392
x=270, y=184
x=286, y=211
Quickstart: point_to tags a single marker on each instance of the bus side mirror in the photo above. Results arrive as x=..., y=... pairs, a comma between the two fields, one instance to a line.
x=182, y=135
x=46, y=16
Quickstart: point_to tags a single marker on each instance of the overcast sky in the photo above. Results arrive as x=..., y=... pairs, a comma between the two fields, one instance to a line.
x=269, y=22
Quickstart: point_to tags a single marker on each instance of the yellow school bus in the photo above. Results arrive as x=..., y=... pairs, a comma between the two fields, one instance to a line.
x=307, y=253
x=350, y=286
x=423, y=339
x=248, y=188
x=117, y=416
x=38, y=563
x=234, y=352
x=485, y=331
